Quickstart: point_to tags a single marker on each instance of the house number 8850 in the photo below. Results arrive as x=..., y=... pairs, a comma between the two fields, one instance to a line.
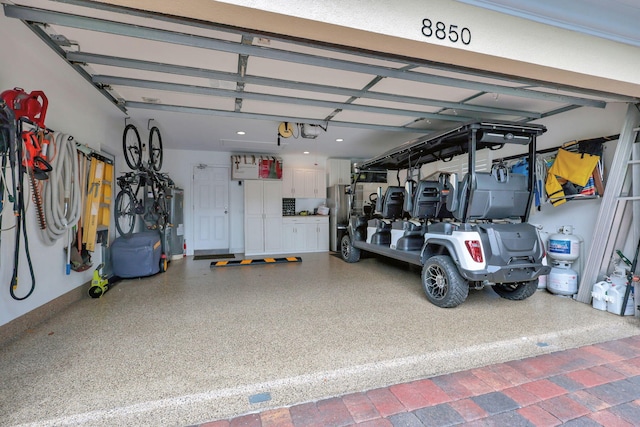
x=440, y=31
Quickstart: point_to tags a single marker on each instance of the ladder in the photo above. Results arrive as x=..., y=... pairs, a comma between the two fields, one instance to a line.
x=613, y=215
x=98, y=203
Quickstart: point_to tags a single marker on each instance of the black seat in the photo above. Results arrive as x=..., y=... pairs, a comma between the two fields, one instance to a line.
x=427, y=200
x=393, y=202
x=389, y=209
x=426, y=203
x=498, y=196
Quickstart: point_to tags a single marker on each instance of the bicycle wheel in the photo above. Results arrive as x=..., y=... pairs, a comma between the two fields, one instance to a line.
x=125, y=213
x=132, y=147
x=155, y=148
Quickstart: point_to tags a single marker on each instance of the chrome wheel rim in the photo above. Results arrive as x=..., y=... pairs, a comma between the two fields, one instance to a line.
x=436, y=282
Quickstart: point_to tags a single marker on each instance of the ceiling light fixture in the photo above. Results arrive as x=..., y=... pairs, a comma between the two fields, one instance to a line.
x=305, y=152
x=339, y=140
x=241, y=132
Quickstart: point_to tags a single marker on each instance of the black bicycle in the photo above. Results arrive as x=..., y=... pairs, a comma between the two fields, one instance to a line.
x=142, y=193
x=129, y=202
x=132, y=147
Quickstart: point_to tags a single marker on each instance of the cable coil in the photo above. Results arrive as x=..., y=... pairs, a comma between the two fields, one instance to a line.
x=61, y=192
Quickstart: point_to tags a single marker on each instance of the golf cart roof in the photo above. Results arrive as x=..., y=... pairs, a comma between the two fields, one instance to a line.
x=449, y=143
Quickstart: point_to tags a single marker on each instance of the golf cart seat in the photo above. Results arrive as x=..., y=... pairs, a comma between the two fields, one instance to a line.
x=390, y=208
x=493, y=196
x=426, y=203
x=499, y=196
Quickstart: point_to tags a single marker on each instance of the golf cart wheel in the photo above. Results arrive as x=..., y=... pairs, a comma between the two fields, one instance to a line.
x=347, y=251
x=441, y=282
x=516, y=291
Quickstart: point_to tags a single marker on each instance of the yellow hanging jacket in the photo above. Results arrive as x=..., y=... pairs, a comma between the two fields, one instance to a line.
x=574, y=167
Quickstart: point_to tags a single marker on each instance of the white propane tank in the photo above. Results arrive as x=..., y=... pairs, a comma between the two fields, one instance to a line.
x=615, y=295
x=562, y=281
x=599, y=295
x=564, y=246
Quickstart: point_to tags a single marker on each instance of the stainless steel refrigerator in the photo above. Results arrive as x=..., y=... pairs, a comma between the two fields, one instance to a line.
x=338, y=203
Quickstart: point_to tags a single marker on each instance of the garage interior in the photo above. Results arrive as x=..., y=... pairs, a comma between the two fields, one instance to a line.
x=195, y=344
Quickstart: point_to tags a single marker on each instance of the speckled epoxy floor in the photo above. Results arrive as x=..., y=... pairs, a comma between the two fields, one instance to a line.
x=196, y=343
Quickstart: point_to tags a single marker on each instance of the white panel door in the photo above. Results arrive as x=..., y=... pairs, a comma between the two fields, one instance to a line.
x=210, y=207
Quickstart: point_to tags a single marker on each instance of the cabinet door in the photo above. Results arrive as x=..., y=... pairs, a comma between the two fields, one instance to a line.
x=253, y=219
x=272, y=201
x=317, y=235
x=339, y=171
x=272, y=198
x=309, y=182
x=299, y=183
x=288, y=189
x=311, y=236
x=321, y=187
x=288, y=236
x=253, y=235
x=323, y=236
x=253, y=191
x=273, y=234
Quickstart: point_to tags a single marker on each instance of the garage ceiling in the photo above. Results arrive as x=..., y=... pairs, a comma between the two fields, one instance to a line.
x=201, y=83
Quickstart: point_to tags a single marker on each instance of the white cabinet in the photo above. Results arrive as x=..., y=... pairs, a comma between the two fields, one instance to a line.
x=288, y=189
x=314, y=184
x=303, y=183
x=338, y=172
x=317, y=234
x=305, y=234
x=293, y=235
x=262, y=217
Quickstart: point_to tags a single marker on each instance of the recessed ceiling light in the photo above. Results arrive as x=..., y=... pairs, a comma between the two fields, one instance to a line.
x=339, y=140
x=241, y=132
x=306, y=152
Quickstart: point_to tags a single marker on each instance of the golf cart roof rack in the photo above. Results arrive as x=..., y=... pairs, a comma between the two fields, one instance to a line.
x=449, y=143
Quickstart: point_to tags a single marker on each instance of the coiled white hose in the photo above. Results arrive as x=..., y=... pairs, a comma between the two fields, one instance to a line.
x=61, y=192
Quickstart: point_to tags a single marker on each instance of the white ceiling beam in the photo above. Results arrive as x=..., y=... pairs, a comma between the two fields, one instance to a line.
x=277, y=118
x=92, y=58
x=209, y=91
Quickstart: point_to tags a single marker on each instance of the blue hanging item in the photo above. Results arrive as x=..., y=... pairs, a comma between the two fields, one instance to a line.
x=522, y=167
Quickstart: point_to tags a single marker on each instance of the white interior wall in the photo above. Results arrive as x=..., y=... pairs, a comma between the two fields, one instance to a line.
x=75, y=108
x=179, y=165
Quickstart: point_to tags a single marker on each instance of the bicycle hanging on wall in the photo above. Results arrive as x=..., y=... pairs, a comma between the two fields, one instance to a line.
x=144, y=190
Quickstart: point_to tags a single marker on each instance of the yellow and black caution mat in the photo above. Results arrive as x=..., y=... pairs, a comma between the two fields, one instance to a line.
x=261, y=261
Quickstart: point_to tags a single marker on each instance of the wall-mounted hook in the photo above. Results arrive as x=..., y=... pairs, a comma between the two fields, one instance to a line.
x=126, y=119
x=149, y=123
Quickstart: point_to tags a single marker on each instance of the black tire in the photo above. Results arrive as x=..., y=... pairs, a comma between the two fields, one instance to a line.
x=347, y=251
x=132, y=147
x=155, y=148
x=516, y=291
x=95, y=291
x=441, y=282
x=125, y=213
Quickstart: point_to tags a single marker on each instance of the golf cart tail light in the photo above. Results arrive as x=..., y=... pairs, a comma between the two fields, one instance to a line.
x=473, y=246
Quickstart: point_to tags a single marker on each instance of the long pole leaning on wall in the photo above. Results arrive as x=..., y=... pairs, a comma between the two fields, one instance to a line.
x=613, y=205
